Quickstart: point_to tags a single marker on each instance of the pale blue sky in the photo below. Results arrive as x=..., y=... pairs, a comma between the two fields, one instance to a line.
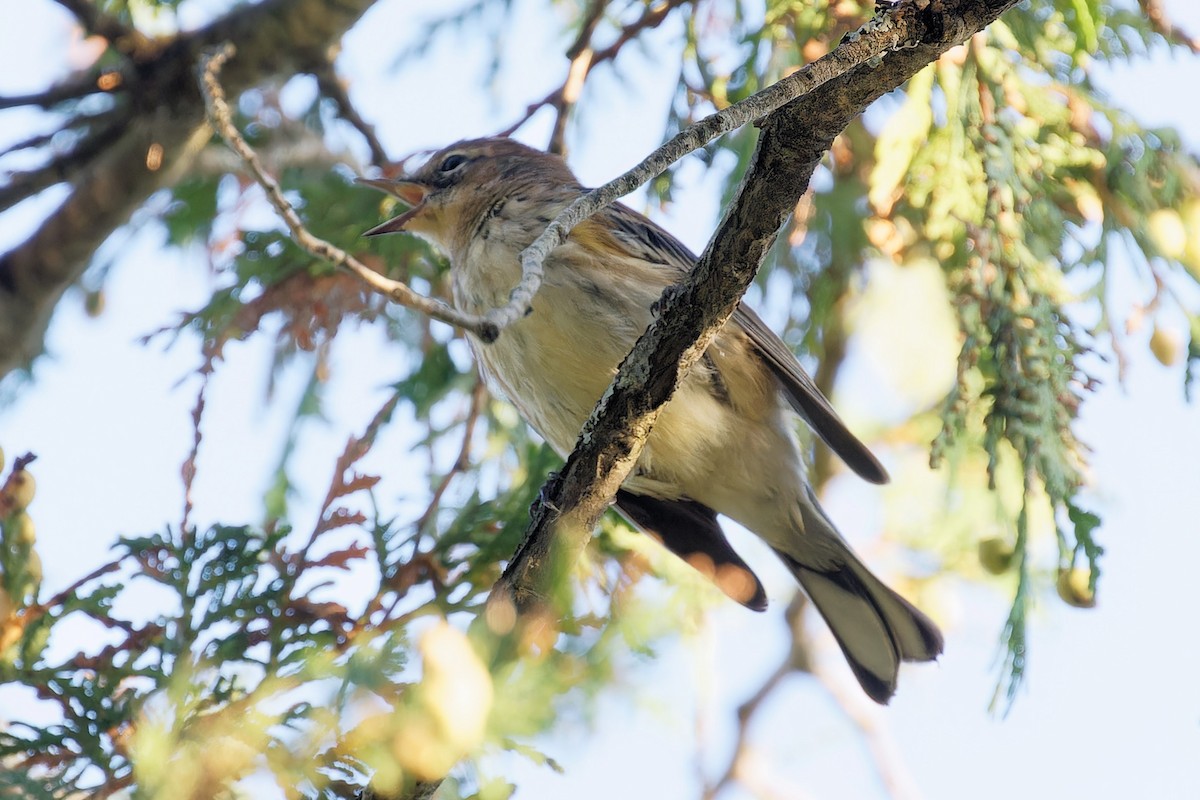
x=1111, y=708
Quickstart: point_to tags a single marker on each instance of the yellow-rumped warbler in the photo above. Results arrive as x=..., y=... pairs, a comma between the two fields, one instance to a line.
x=722, y=445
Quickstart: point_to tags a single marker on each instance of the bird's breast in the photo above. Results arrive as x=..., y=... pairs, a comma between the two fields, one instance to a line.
x=556, y=362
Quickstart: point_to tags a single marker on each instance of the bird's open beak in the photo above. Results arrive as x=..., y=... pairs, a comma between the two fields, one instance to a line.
x=410, y=192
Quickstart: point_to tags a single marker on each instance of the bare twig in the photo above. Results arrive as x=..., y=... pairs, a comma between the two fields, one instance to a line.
x=580, y=66
x=60, y=597
x=886, y=33
x=1163, y=25
x=581, y=54
x=889, y=763
x=653, y=17
x=103, y=130
x=420, y=560
x=34, y=141
x=188, y=470
x=568, y=96
x=461, y=462
x=796, y=660
x=221, y=118
x=332, y=87
x=355, y=449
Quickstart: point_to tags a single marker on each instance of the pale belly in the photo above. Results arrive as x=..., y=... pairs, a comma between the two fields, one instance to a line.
x=700, y=448
x=555, y=364
x=555, y=374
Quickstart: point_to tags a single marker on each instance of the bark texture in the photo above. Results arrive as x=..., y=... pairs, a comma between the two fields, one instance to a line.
x=156, y=133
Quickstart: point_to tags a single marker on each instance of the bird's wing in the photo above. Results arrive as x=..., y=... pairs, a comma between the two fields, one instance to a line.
x=638, y=236
x=631, y=234
x=690, y=531
x=806, y=398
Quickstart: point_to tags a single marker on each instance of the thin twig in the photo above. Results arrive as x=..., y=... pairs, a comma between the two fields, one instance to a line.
x=78, y=126
x=746, y=713
x=796, y=660
x=883, y=34
x=581, y=54
x=889, y=763
x=556, y=99
x=61, y=596
x=332, y=87
x=188, y=470
x=103, y=130
x=461, y=462
x=355, y=449
x=577, y=73
x=222, y=119
x=653, y=17
x=1164, y=27
x=587, y=28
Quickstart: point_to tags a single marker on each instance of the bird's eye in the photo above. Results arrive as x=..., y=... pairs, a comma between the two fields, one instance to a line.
x=452, y=162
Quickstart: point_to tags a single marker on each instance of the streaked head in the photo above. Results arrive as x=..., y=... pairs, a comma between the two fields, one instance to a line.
x=451, y=193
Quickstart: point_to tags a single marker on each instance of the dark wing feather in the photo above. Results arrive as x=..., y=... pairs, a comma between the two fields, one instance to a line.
x=643, y=239
x=646, y=240
x=690, y=531
x=806, y=398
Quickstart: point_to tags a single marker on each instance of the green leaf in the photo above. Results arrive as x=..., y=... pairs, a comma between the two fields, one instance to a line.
x=902, y=137
x=1084, y=23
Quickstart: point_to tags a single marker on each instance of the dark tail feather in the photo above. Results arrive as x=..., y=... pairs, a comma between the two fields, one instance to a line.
x=875, y=627
x=690, y=531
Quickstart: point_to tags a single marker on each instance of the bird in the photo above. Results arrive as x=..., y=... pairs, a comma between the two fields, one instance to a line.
x=724, y=444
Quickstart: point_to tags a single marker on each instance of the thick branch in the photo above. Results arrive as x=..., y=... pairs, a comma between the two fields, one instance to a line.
x=72, y=88
x=793, y=142
x=884, y=34
x=274, y=37
x=103, y=131
x=93, y=20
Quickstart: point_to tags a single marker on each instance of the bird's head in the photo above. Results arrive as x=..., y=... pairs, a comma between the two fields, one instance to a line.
x=458, y=186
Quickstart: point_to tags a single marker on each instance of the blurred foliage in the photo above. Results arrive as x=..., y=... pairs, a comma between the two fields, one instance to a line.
x=1001, y=165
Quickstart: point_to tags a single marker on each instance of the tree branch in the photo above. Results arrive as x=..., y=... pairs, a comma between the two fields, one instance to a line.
x=222, y=119
x=104, y=130
x=332, y=87
x=883, y=34
x=581, y=54
x=273, y=37
x=583, y=60
x=93, y=20
x=795, y=660
x=72, y=88
x=793, y=141
x=1166, y=28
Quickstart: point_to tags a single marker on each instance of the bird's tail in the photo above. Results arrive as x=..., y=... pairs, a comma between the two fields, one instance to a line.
x=876, y=628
